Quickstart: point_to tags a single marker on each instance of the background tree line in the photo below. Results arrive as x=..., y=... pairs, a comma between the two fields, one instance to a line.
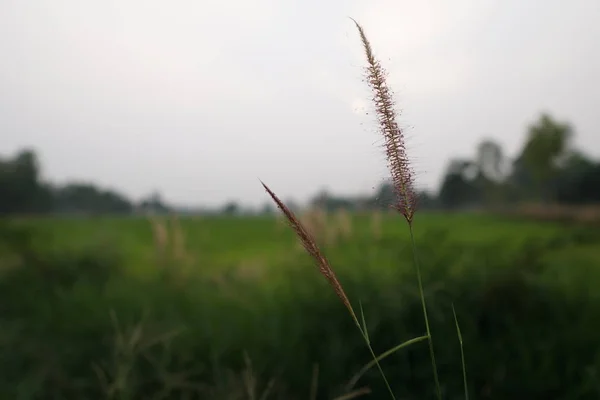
x=547, y=169
x=22, y=191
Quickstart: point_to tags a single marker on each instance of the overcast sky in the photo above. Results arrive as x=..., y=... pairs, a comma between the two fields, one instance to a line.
x=200, y=98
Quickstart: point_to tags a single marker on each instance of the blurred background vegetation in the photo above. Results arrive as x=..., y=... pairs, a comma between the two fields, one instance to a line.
x=101, y=297
x=548, y=170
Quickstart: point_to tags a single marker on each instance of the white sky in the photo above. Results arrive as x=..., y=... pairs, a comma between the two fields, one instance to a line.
x=198, y=99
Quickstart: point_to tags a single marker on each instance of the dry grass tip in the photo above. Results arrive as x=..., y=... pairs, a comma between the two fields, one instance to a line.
x=311, y=247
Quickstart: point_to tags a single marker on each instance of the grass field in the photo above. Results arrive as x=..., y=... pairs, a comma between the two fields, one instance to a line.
x=232, y=308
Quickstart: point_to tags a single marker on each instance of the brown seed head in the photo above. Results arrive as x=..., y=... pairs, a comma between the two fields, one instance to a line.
x=311, y=247
x=395, y=150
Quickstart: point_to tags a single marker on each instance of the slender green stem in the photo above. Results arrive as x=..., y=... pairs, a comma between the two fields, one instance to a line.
x=462, y=354
x=368, y=342
x=422, y=294
x=352, y=382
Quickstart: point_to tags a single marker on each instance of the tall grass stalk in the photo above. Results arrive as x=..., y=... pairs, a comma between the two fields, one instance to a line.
x=424, y=305
x=398, y=164
x=462, y=354
x=405, y=203
x=325, y=268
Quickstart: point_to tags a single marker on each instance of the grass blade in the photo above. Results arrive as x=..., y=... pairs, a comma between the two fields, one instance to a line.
x=314, y=384
x=355, y=394
x=462, y=354
x=364, y=323
x=382, y=356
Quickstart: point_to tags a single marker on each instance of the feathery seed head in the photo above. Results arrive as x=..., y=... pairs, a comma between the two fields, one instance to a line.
x=395, y=149
x=311, y=247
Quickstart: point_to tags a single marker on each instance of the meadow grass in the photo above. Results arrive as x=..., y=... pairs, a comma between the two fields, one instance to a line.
x=90, y=318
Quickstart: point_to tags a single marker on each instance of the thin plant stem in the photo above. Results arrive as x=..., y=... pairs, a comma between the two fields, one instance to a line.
x=375, y=358
x=462, y=354
x=386, y=354
x=422, y=295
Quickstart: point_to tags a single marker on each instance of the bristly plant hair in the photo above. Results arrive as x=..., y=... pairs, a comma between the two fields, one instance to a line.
x=313, y=250
x=311, y=247
x=399, y=166
x=395, y=148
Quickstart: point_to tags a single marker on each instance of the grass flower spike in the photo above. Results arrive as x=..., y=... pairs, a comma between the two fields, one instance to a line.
x=311, y=247
x=395, y=149
x=398, y=163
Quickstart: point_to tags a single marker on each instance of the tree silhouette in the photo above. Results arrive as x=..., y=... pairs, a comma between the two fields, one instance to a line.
x=545, y=148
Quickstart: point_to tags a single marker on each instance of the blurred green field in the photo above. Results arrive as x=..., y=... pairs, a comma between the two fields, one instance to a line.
x=216, y=242
x=112, y=308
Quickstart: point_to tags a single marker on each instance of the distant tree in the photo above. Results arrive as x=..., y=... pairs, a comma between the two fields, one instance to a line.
x=332, y=203
x=491, y=172
x=427, y=200
x=321, y=199
x=385, y=196
x=267, y=209
x=86, y=198
x=458, y=189
x=520, y=183
x=578, y=181
x=21, y=190
x=231, y=208
x=490, y=160
x=545, y=148
x=154, y=204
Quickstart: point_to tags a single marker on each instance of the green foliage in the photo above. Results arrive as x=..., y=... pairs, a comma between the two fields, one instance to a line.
x=20, y=186
x=456, y=189
x=86, y=198
x=23, y=192
x=87, y=312
x=578, y=181
x=545, y=170
x=547, y=142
